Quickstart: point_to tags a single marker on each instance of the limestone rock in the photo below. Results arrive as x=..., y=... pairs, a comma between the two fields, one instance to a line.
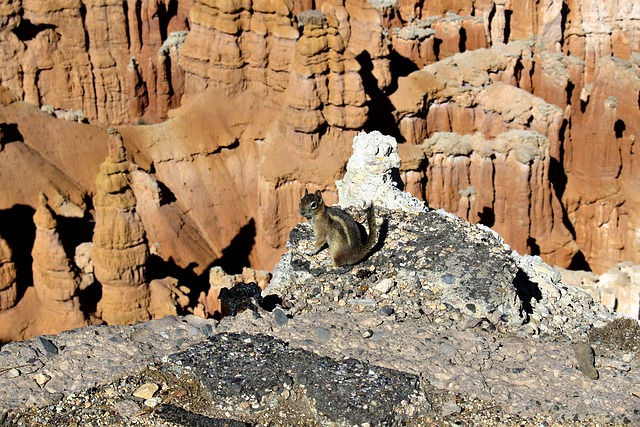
x=432, y=38
x=213, y=55
x=324, y=84
x=618, y=288
x=72, y=56
x=369, y=175
x=8, y=286
x=472, y=275
x=120, y=251
x=461, y=97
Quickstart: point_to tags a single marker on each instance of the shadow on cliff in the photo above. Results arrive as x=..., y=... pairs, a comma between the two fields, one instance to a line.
x=19, y=231
x=75, y=231
x=380, y=116
x=234, y=258
x=9, y=132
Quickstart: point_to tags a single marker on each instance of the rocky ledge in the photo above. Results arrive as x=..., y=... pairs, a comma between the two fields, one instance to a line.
x=442, y=324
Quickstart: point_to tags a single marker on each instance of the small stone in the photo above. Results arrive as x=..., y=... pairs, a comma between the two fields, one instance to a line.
x=146, y=391
x=585, y=356
x=377, y=336
x=152, y=402
x=46, y=346
x=14, y=373
x=386, y=310
x=448, y=278
x=280, y=318
x=447, y=350
x=42, y=379
x=367, y=334
x=384, y=286
x=323, y=334
x=366, y=302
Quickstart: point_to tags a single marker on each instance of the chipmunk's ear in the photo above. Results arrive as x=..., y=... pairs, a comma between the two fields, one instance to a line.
x=319, y=194
x=306, y=191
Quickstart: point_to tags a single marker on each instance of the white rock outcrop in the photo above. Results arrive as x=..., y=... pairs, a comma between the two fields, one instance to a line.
x=369, y=176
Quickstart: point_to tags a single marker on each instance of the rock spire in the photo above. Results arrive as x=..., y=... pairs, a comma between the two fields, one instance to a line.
x=120, y=249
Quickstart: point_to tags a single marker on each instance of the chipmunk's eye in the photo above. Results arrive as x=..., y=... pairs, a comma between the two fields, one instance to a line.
x=314, y=205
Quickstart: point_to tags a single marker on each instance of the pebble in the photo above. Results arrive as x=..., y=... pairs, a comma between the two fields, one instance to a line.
x=585, y=357
x=42, y=379
x=386, y=310
x=46, y=346
x=280, y=318
x=146, y=391
x=384, y=286
x=152, y=402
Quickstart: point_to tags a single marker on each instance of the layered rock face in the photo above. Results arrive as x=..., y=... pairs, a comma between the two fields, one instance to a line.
x=56, y=279
x=120, y=250
x=106, y=59
x=8, y=286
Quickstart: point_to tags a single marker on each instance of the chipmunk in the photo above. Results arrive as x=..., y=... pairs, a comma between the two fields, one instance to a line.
x=348, y=242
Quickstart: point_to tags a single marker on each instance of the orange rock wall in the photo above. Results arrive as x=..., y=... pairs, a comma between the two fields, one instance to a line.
x=77, y=56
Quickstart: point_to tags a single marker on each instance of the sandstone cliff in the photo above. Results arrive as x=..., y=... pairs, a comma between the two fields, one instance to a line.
x=77, y=56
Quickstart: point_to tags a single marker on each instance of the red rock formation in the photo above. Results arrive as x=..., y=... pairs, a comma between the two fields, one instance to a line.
x=120, y=249
x=56, y=280
x=495, y=180
x=324, y=85
x=75, y=56
x=8, y=286
x=601, y=164
x=215, y=55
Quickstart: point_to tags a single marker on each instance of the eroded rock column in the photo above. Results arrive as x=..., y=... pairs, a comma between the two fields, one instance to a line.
x=120, y=248
x=8, y=286
x=55, y=279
